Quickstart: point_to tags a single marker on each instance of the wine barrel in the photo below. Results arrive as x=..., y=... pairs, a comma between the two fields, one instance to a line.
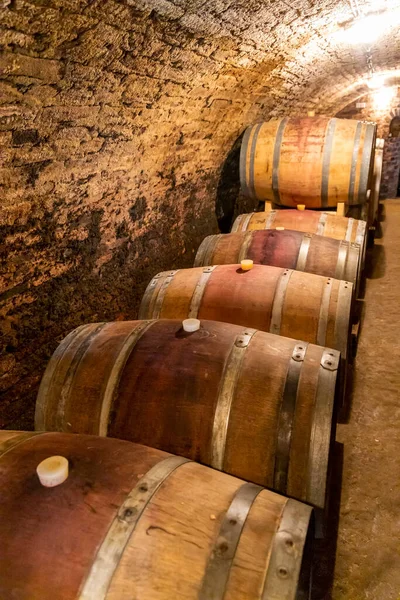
x=134, y=522
x=299, y=305
x=256, y=405
x=313, y=161
x=289, y=249
x=309, y=221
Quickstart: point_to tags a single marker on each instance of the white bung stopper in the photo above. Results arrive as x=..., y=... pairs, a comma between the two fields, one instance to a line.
x=279, y=228
x=52, y=471
x=191, y=325
x=246, y=264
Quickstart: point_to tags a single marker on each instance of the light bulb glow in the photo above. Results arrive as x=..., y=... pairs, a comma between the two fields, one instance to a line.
x=368, y=29
x=383, y=97
x=375, y=82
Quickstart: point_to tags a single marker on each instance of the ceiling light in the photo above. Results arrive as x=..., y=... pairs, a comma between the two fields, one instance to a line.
x=383, y=98
x=376, y=81
x=366, y=30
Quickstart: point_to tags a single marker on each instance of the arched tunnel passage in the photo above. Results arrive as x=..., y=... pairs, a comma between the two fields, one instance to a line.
x=120, y=131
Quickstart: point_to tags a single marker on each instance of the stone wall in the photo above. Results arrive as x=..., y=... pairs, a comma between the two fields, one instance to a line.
x=390, y=168
x=112, y=136
x=118, y=139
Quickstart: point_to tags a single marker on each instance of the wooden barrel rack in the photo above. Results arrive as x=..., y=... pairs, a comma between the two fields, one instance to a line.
x=200, y=454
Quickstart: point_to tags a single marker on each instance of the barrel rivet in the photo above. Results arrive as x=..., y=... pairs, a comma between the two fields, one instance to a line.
x=53, y=471
x=223, y=547
x=282, y=572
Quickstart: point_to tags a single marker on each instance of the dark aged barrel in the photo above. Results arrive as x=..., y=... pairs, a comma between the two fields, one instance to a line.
x=289, y=249
x=299, y=305
x=256, y=405
x=134, y=522
x=309, y=221
x=314, y=161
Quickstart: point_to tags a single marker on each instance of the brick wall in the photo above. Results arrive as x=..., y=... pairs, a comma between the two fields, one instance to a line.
x=390, y=168
x=115, y=123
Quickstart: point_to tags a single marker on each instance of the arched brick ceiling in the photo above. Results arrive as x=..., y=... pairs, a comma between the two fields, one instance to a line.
x=292, y=45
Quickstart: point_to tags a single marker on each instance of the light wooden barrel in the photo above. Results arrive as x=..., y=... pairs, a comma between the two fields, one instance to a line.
x=314, y=161
x=299, y=305
x=134, y=522
x=253, y=404
x=289, y=249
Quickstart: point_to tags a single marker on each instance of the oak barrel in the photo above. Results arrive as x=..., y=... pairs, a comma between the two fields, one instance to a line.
x=289, y=249
x=134, y=522
x=299, y=305
x=256, y=405
x=315, y=161
x=327, y=224
x=309, y=221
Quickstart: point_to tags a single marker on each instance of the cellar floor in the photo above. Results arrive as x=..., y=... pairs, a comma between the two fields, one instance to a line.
x=368, y=546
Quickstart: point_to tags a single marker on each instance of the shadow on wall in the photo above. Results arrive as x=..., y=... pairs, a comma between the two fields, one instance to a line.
x=230, y=201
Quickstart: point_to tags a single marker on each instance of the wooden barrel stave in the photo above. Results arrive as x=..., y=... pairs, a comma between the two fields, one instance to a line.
x=103, y=533
x=212, y=396
x=317, y=161
x=280, y=301
x=287, y=249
